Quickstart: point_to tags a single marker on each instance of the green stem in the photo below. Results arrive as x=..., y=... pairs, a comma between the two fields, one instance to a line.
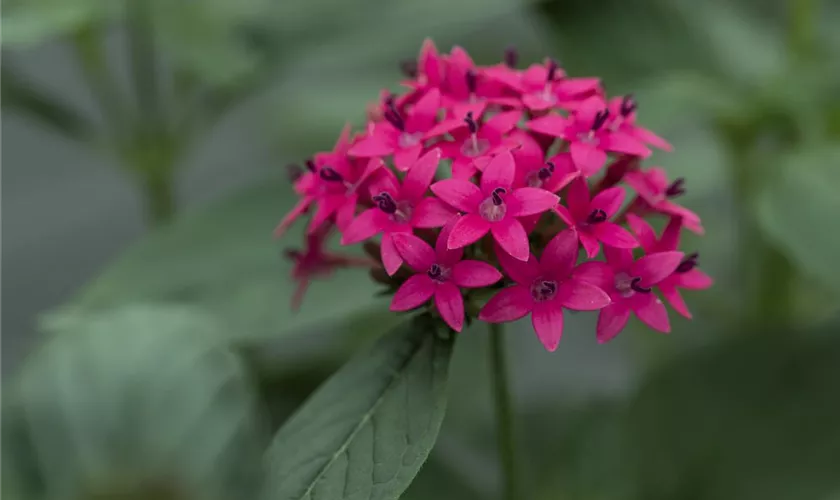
x=88, y=45
x=504, y=413
x=141, y=51
x=159, y=196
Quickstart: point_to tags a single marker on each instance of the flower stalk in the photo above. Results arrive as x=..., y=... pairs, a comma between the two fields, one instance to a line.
x=504, y=414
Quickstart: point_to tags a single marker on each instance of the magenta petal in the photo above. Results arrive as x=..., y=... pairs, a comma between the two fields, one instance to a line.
x=530, y=201
x=561, y=253
x=299, y=209
x=656, y=267
x=416, y=291
x=502, y=123
x=431, y=212
x=577, y=199
x=418, y=179
x=450, y=305
x=590, y=244
x=576, y=86
x=499, y=172
x=404, y=158
x=649, y=137
x=587, y=157
x=345, y=213
x=326, y=208
x=547, y=319
x=391, y=258
x=614, y=235
x=551, y=125
x=644, y=232
x=521, y=272
x=611, y=321
x=673, y=297
x=509, y=304
x=565, y=215
x=608, y=200
x=444, y=127
x=467, y=229
x=373, y=146
x=694, y=280
x=670, y=239
x=474, y=274
x=463, y=195
x=580, y=295
x=536, y=102
x=424, y=113
x=511, y=236
x=369, y=223
x=446, y=256
x=598, y=273
x=622, y=143
x=620, y=259
x=416, y=252
x=651, y=311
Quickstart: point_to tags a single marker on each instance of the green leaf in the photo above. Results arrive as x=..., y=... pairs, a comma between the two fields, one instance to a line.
x=797, y=210
x=368, y=430
x=753, y=418
x=141, y=400
x=30, y=22
x=223, y=260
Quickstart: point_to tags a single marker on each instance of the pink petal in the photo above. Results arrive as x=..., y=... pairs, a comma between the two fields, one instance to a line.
x=372, y=146
x=509, y=304
x=498, y=173
x=608, y=200
x=467, y=230
x=391, y=258
x=450, y=305
x=620, y=142
x=673, y=297
x=645, y=233
x=474, y=274
x=431, y=212
x=384, y=180
x=670, y=239
x=646, y=184
x=326, y=208
x=590, y=244
x=404, y=158
x=656, y=267
x=694, y=280
x=299, y=209
x=463, y=168
x=551, y=125
x=547, y=319
x=369, y=223
x=416, y=252
x=424, y=113
x=560, y=254
x=577, y=199
x=580, y=295
x=651, y=311
x=511, y=236
x=345, y=213
x=445, y=256
x=502, y=123
x=598, y=273
x=416, y=291
x=463, y=195
x=445, y=127
x=649, y=137
x=565, y=215
x=575, y=86
x=587, y=157
x=418, y=179
x=521, y=272
x=614, y=235
x=611, y=321
x=530, y=201
x=430, y=62
x=460, y=109
x=536, y=102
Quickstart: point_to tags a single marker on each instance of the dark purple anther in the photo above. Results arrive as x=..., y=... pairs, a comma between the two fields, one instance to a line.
x=550, y=166
x=310, y=165
x=511, y=57
x=435, y=272
x=552, y=70
x=409, y=67
x=628, y=105
x=386, y=203
x=393, y=116
x=675, y=188
x=497, y=196
x=548, y=288
x=597, y=216
x=294, y=171
x=328, y=174
x=471, y=123
x=600, y=119
x=634, y=284
x=471, y=81
x=544, y=173
x=292, y=254
x=689, y=263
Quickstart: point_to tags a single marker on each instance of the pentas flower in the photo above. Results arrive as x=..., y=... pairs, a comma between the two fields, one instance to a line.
x=544, y=86
x=589, y=137
x=440, y=274
x=544, y=287
x=400, y=208
x=473, y=140
x=400, y=134
x=466, y=90
x=687, y=275
x=590, y=218
x=623, y=119
x=655, y=194
x=426, y=73
x=630, y=284
x=494, y=207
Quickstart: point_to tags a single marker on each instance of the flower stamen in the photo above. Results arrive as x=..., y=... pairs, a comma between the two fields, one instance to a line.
x=597, y=216
x=689, y=263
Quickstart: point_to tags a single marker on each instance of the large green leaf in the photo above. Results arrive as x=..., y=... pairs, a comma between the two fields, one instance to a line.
x=223, y=259
x=143, y=402
x=368, y=430
x=797, y=210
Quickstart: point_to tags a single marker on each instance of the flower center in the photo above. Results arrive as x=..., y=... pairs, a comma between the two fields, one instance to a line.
x=588, y=137
x=542, y=290
x=627, y=285
x=536, y=178
x=676, y=188
x=438, y=273
x=689, y=263
x=493, y=209
x=597, y=216
x=407, y=140
x=392, y=114
x=399, y=211
x=628, y=105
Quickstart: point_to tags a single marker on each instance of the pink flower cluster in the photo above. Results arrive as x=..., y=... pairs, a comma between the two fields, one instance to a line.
x=507, y=180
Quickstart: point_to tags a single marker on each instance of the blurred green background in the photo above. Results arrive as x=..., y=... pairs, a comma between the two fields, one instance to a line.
x=148, y=348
